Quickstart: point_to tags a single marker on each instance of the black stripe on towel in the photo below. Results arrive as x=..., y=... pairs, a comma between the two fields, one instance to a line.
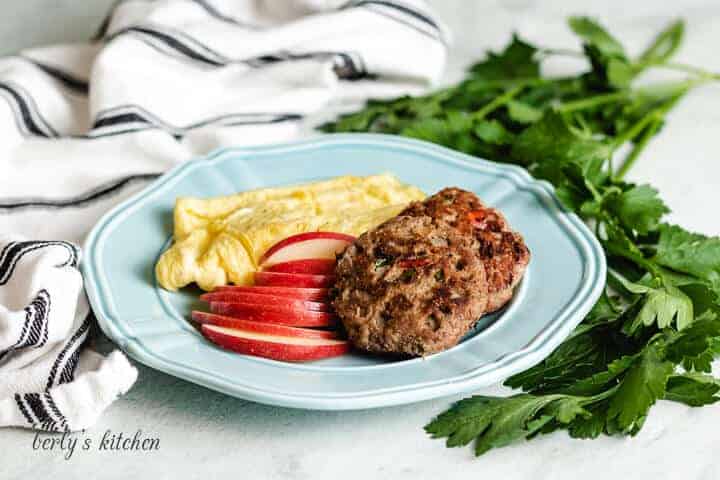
x=41, y=412
x=401, y=7
x=14, y=251
x=23, y=409
x=209, y=8
x=27, y=115
x=120, y=117
x=179, y=42
x=35, y=328
x=214, y=12
x=34, y=332
x=54, y=411
x=70, y=81
x=42, y=416
x=70, y=351
x=81, y=200
x=349, y=65
x=405, y=14
x=68, y=372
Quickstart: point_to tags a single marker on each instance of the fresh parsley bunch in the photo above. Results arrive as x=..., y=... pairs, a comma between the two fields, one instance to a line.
x=656, y=329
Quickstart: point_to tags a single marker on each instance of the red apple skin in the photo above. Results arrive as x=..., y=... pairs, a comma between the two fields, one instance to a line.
x=312, y=294
x=303, y=237
x=274, y=314
x=301, y=280
x=275, y=350
x=242, y=297
x=313, y=266
x=260, y=327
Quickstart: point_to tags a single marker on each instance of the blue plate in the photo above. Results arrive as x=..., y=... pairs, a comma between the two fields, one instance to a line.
x=565, y=277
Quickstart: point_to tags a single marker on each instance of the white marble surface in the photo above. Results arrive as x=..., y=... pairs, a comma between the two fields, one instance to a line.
x=204, y=434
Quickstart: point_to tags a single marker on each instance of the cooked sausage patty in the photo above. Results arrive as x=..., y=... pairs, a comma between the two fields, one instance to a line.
x=410, y=286
x=502, y=251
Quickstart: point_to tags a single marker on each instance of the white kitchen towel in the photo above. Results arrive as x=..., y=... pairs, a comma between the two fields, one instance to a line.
x=83, y=126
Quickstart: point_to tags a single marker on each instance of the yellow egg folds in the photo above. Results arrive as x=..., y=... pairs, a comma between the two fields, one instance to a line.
x=220, y=240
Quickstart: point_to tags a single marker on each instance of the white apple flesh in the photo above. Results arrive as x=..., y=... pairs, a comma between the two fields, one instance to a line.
x=205, y=318
x=311, y=245
x=293, y=349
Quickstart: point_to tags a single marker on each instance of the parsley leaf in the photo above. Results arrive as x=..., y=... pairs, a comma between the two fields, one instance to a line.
x=602, y=380
x=664, y=45
x=662, y=304
x=523, y=113
x=590, y=426
x=494, y=132
x=596, y=36
x=494, y=422
x=617, y=242
x=516, y=61
x=643, y=384
x=690, y=253
x=696, y=346
x=587, y=352
x=610, y=66
x=694, y=389
x=638, y=208
x=551, y=143
x=452, y=131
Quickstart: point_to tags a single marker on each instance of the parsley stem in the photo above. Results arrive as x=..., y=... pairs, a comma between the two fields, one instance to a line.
x=655, y=114
x=638, y=127
x=682, y=67
x=639, y=146
x=483, y=85
x=647, y=127
x=591, y=102
x=498, y=102
x=605, y=98
x=600, y=396
x=616, y=286
x=562, y=51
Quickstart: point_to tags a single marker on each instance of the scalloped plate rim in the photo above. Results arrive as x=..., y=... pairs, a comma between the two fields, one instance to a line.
x=538, y=348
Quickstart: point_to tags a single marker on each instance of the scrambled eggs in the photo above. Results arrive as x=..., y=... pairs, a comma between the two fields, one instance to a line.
x=220, y=240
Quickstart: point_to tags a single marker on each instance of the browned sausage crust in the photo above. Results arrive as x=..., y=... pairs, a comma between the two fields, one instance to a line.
x=417, y=283
x=502, y=250
x=409, y=287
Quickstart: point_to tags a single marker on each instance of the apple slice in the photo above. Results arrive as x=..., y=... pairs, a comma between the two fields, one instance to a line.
x=306, y=245
x=314, y=294
x=260, y=327
x=276, y=347
x=313, y=266
x=283, y=315
x=243, y=297
x=304, y=280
